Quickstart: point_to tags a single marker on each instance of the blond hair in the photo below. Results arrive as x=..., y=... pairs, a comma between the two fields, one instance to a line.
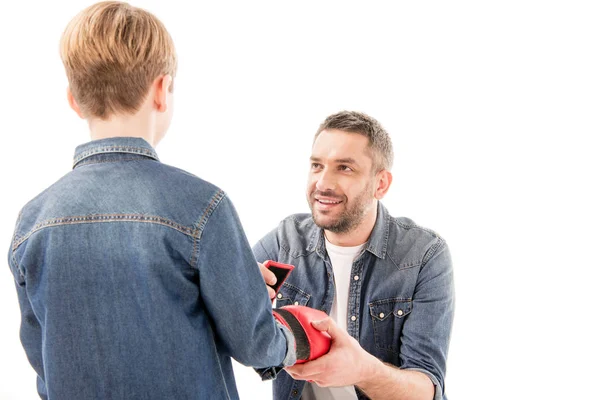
x=112, y=52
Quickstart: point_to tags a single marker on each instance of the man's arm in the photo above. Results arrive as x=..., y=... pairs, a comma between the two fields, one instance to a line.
x=349, y=364
x=425, y=339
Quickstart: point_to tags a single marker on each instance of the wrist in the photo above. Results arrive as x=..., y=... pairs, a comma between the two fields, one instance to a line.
x=372, y=370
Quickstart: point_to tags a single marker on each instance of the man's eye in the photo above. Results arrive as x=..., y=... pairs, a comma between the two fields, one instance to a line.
x=315, y=165
x=345, y=168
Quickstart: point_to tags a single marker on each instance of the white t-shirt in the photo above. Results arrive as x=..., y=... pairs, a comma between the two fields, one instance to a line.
x=341, y=262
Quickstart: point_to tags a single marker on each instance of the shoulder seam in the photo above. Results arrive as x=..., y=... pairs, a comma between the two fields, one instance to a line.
x=405, y=226
x=199, y=226
x=439, y=243
x=13, y=248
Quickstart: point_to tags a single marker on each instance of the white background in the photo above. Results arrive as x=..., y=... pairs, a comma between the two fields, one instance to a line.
x=493, y=110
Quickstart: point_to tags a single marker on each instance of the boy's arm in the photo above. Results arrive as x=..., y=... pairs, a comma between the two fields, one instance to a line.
x=234, y=294
x=31, y=330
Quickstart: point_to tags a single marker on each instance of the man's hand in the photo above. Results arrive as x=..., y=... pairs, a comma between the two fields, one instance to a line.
x=269, y=278
x=346, y=363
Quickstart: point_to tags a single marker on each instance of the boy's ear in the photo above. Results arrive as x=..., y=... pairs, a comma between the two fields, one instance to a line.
x=163, y=85
x=73, y=104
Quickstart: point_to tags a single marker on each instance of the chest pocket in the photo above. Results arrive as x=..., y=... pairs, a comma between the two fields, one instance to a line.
x=388, y=317
x=290, y=295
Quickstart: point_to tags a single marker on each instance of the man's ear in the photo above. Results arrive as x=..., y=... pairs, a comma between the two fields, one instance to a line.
x=73, y=104
x=384, y=180
x=162, y=85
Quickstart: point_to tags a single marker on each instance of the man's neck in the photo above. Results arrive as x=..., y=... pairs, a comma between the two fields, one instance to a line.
x=357, y=236
x=137, y=125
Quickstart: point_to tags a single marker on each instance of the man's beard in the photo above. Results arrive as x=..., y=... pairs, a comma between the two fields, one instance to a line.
x=350, y=218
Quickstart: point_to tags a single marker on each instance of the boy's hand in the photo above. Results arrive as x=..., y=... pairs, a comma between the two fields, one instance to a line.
x=269, y=278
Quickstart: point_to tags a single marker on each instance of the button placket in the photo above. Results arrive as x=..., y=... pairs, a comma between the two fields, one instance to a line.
x=354, y=296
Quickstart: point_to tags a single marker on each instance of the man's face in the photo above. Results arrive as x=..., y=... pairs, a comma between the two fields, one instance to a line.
x=341, y=183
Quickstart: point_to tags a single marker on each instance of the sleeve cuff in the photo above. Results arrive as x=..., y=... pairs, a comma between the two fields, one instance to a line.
x=439, y=392
x=267, y=374
x=290, y=356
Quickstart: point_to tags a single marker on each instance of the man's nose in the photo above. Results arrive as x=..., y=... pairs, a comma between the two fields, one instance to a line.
x=326, y=181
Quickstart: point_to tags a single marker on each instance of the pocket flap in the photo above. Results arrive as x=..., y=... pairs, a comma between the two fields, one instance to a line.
x=291, y=295
x=398, y=307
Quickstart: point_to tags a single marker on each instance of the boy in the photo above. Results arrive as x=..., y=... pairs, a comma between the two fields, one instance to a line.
x=134, y=278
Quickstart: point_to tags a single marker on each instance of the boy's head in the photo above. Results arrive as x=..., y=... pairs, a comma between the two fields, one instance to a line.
x=114, y=55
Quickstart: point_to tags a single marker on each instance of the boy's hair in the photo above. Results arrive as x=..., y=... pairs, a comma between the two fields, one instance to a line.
x=112, y=52
x=380, y=142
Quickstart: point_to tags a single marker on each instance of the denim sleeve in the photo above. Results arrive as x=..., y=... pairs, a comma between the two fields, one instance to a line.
x=426, y=332
x=267, y=248
x=234, y=294
x=31, y=330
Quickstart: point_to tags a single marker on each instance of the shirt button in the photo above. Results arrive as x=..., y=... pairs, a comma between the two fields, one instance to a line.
x=279, y=295
x=353, y=318
x=381, y=315
x=296, y=303
x=295, y=392
x=356, y=277
x=400, y=312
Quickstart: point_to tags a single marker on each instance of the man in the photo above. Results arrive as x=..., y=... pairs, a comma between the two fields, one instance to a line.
x=385, y=282
x=134, y=278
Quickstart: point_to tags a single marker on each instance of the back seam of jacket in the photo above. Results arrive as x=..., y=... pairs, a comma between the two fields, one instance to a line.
x=103, y=218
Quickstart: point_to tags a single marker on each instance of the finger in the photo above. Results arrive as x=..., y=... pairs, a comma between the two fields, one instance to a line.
x=268, y=276
x=327, y=325
x=271, y=292
x=302, y=377
x=308, y=369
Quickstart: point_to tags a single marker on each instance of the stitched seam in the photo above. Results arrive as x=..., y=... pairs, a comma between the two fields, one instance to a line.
x=432, y=250
x=376, y=337
x=265, y=250
x=15, y=239
x=394, y=300
x=384, y=240
x=387, y=235
x=375, y=318
x=297, y=289
x=405, y=226
x=96, y=218
x=82, y=163
x=114, y=149
x=391, y=300
x=405, y=265
x=214, y=202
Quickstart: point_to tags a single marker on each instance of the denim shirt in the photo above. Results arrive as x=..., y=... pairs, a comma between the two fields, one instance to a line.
x=136, y=281
x=401, y=298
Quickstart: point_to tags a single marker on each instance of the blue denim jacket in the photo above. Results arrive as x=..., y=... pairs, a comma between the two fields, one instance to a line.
x=136, y=281
x=401, y=299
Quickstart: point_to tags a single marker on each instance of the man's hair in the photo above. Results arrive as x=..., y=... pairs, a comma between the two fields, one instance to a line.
x=380, y=142
x=112, y=52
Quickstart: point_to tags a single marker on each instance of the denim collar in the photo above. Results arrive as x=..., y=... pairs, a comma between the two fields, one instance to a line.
x=377, y=243
x=130, y=145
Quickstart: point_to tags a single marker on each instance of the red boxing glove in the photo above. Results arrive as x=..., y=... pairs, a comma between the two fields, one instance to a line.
x=310, y=342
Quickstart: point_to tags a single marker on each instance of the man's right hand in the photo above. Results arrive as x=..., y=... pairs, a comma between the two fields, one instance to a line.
x=270, y=279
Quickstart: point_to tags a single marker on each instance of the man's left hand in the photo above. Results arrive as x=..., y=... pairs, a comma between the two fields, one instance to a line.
x=346, y=363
